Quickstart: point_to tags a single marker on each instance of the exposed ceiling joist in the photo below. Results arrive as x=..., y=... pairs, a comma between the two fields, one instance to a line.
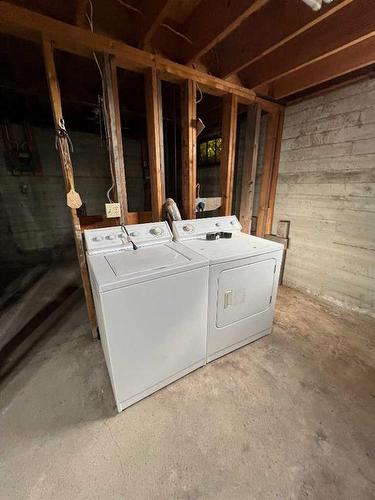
x=30, y=25
x=346, y=27
x=211, y=21
x=273, y=25
x=354, y=57
x=154, y=13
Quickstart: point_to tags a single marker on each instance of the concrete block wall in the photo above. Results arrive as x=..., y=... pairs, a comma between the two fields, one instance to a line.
x=33, y=213
x=326, y=189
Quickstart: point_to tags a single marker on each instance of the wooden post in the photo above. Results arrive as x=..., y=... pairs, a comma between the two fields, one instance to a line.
x=228, y=152
x=153, y=109
x=116, y=154
x=268, y=161
x=189, y=147
x=275, y=173
x=251, y=148
x=67, y=169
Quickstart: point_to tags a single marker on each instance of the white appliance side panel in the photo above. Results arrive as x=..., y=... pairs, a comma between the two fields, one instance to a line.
x=240, y=331
x=245, y=291
x=154, y=330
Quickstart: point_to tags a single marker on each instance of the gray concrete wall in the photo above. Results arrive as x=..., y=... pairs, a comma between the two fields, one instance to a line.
x=326, y=189
x=33, y=212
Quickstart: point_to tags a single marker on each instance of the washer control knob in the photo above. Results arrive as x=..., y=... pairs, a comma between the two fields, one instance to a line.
x=232, y=222
x=156, y=231
x=97, y=238
x=110, y=237
x=188, y=228
x=123, y=236
x=217, y=224
x=134, y=234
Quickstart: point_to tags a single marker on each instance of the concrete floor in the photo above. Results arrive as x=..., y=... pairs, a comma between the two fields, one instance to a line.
x=291, y=416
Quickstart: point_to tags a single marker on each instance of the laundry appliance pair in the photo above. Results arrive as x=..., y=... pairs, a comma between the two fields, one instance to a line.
x=165, y=306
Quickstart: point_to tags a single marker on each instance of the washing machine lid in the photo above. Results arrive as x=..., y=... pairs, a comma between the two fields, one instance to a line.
x=240, y=246
x=116, y=269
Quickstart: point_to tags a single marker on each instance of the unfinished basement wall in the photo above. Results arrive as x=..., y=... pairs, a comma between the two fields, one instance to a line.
x=326, y=189
x=34, y=219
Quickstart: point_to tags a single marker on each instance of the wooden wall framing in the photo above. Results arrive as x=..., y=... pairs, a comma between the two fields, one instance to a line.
x=30, y=25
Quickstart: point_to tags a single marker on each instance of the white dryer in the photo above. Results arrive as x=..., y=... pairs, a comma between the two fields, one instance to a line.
x=151, y=306
x=244, y=275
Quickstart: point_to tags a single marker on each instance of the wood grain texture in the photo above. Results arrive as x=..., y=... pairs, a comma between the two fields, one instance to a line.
x=343, y=29
x=63, y=148
x=252, y=131
x=229, y=133
x=116, y=154
x=347, y=60
x=153, y=110
x=254, y=39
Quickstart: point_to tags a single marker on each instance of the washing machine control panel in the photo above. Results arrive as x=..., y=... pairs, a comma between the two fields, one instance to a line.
x=115, y=238
x=198, y=228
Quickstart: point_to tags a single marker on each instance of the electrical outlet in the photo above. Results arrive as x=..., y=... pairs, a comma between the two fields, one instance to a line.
x=112, y=210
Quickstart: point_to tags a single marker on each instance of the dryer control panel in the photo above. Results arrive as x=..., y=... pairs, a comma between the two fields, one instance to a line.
x=116, y=238
x=198, y=228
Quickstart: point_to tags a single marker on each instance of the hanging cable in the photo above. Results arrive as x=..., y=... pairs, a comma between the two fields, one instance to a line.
x=90, y=19
x=197, y=101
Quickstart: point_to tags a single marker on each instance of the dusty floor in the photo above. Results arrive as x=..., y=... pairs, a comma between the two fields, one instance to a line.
x=291, y=416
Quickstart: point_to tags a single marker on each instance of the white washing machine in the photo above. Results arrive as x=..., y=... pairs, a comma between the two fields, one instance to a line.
x=151, y=306
x=244, y=275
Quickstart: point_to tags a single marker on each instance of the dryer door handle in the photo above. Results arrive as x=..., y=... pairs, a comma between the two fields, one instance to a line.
x=228, y=295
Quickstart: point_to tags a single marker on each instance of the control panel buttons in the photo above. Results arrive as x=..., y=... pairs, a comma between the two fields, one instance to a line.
x=188, y=228
x=156, y=231
x=97, y=238
x=134, y=234
x=110, y=237
x=123, y=236
x=232, y=222
x=217, y=224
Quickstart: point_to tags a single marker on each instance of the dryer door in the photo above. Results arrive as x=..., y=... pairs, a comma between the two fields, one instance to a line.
x=245, y=291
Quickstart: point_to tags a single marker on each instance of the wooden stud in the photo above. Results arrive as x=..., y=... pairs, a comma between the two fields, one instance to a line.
x=264, y=194
x=66, y=163
x=345, y=28
x=275, y=173
x=189, y=147
x=355, y=57
x=116, y=154
x=153, y=110
x=228, y=152
x=251, y=148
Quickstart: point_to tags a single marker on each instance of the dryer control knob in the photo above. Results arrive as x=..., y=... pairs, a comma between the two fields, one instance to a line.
x=188, y=228
x=97, y=238
x=156, y=231
x=232, y=222
x=134, y=234
x=217, y=224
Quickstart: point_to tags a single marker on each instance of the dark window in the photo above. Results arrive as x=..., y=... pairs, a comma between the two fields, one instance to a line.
x=209, y=152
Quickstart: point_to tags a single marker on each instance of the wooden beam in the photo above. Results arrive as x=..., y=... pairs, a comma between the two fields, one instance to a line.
x=211, y=21
x=272, y=126
x=255, y=38
x=251, y=148
x=154, y=133
x=116, y=154
x=355, y=57
x=275, y=173
x=345, y=28
x=189, y=147
x=31, y=25
x=228, y=152
x=67, y=168
x=154, y=13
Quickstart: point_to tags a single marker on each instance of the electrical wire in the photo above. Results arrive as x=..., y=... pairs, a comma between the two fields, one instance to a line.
x=200, y=98
x=178, y=33
x=90, y=19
